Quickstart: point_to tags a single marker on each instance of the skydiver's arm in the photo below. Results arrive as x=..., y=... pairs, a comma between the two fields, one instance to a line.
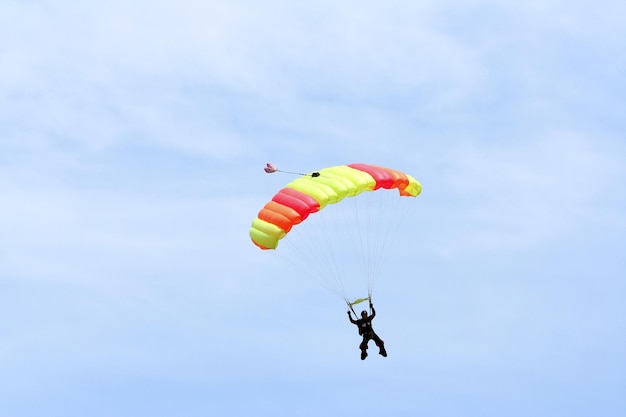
x=373, y=311
x=350, y=317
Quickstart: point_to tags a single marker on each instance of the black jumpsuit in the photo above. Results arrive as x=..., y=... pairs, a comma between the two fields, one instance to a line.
x=366, y=330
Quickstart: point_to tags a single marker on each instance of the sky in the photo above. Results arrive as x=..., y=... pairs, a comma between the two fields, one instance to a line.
x=133, y=136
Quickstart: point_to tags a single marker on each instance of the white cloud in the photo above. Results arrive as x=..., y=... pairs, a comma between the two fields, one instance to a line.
x=523, y=194
x=170, y=73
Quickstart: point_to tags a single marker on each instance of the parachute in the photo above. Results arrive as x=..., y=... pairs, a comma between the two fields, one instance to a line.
x=365, y=226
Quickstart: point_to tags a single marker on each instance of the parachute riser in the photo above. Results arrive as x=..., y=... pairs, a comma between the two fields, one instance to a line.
x=351, y=309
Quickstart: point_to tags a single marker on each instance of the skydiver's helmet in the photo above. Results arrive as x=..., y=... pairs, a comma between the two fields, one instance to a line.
x=363, y=313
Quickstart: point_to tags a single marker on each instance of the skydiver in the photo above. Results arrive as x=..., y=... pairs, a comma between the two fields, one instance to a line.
x=365, y=329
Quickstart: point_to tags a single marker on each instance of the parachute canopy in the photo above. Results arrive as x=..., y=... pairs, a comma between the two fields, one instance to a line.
x=312, y=192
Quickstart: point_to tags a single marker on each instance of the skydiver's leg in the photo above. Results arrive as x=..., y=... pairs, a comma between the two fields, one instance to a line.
x=363, y=346
x=381, y=344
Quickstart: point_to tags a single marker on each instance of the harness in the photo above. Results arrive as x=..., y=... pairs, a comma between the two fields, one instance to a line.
x=365, y=327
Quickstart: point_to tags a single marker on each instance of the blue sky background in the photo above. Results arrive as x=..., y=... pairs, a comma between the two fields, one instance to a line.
x=132, y=141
